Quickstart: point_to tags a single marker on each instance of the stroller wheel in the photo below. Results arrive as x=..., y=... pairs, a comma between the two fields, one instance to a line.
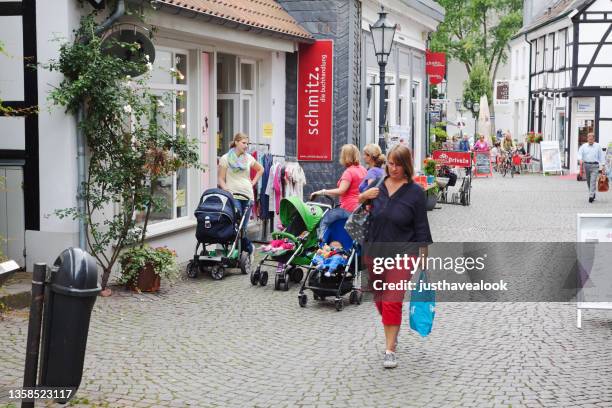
x=255, y=276
x=302, y=300
x=353, y=297
x=339, y=304
x=217, y=272
x=315, y=296
x=277, y=282
x=245, y=263
x=192, y=269
x=286, y=283
x=263, y=279
x=359, y=297
x=297, y=275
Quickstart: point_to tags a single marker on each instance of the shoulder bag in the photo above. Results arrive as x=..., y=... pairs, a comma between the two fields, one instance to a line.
x=359, y=221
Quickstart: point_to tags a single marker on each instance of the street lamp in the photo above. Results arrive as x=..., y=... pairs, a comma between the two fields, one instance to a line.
x=382, y=36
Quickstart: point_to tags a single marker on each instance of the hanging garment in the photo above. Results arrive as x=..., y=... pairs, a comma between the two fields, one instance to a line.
x=264, y=197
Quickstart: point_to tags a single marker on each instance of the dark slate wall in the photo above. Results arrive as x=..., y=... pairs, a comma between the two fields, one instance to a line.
x=339, y=20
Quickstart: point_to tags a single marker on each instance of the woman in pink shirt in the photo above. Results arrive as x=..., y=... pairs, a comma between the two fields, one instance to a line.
x=348, y=185
x=481, y=144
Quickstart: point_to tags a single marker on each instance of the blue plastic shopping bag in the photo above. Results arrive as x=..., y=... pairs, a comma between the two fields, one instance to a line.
x=422, y=307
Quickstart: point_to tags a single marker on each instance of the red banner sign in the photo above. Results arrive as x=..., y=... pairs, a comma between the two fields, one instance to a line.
x=435, y=66
x=315, y=101
x=456, y=159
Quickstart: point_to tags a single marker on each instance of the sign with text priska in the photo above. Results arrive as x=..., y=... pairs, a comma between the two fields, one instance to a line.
x=315, y=101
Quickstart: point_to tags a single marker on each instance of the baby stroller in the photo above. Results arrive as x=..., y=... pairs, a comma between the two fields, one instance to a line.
x=346, y=279
x=301, y=221
x=219, y=222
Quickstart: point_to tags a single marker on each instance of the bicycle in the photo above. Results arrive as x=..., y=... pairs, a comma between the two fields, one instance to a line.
x=508, y=164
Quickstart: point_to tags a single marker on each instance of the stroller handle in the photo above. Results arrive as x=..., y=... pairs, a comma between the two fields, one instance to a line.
x=240, y=195
x=314, y=196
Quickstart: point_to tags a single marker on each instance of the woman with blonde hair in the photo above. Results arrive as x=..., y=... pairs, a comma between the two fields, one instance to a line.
x=348, y=185
x=374, y=160
x=233, y=175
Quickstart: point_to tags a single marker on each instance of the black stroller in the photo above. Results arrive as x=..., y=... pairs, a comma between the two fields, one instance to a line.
x=346, y=279
x=219, y=223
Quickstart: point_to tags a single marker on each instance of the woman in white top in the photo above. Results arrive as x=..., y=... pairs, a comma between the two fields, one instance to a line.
x=234, y=176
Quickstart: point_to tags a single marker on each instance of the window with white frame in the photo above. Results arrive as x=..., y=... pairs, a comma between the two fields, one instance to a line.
x=562, y=48
x=236, y=99
x=540, y=52
x=169, y=80
x=550, y=41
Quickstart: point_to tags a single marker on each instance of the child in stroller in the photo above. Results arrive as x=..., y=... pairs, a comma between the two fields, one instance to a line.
x=293, y=247
x=329, y=258
x=346, y=277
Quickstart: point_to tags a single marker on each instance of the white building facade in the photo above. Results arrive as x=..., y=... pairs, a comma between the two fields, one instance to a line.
x=234, y=80
x=569, y=72
x=407, y=97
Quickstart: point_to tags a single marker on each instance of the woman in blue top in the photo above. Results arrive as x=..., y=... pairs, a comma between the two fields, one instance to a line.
x=398, y=226
x=374, y=160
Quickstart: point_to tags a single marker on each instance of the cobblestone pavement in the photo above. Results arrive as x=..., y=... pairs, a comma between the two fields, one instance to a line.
x=206, y=344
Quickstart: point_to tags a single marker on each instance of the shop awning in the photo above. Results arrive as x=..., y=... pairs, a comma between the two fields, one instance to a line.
x=265, y=16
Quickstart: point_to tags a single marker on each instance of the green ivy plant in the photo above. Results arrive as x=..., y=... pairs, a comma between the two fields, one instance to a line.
x=162, y=259
x=130, y=151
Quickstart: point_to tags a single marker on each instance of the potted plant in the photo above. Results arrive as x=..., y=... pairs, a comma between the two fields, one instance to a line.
x=431, y=197
x=429, y=169
x=538, y=138
x=530, y=137
x=143, y=267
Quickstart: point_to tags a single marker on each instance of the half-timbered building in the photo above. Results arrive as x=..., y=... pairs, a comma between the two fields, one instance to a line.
x=570, y=75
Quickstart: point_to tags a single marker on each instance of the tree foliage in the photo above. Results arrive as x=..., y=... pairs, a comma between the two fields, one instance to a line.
x=478, y=30
x=131, y=146
x=477, y=84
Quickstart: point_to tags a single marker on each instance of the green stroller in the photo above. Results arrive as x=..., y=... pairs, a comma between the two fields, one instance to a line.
x=301, y=221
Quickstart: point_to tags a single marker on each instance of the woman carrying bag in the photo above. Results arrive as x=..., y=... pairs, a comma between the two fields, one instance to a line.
x=397, y=225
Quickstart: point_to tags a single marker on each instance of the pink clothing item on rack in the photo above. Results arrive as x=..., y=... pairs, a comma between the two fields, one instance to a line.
x=277, y=189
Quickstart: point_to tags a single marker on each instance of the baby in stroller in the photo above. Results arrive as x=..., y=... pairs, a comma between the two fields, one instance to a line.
x=329, y=258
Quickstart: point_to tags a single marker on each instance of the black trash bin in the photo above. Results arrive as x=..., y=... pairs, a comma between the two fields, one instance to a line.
x=69, y=299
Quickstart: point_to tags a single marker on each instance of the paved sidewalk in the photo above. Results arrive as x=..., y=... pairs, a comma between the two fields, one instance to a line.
x=227, y=344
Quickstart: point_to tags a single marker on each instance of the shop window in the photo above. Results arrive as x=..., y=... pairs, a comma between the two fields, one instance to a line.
x=169, y=81
x=246, y=76
x=226, y=73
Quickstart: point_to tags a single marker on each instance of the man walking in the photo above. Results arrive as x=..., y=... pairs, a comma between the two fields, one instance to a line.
x=592, y=157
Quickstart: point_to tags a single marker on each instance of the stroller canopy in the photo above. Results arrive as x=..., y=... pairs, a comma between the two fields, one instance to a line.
x=335, y=229
x=294, y=207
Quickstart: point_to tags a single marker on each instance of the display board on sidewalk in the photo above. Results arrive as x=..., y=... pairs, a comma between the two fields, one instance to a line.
x=551, y=158
x=483, y=164
x=594, y=237
x=609, y=156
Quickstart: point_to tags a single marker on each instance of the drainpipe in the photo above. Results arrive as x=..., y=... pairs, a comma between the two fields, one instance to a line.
x=82, y=142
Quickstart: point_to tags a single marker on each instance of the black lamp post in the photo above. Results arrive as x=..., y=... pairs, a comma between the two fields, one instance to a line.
x=473, y=107
x=382, y=35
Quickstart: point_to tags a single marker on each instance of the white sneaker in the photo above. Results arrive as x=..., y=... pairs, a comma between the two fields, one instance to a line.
x=390, y=361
